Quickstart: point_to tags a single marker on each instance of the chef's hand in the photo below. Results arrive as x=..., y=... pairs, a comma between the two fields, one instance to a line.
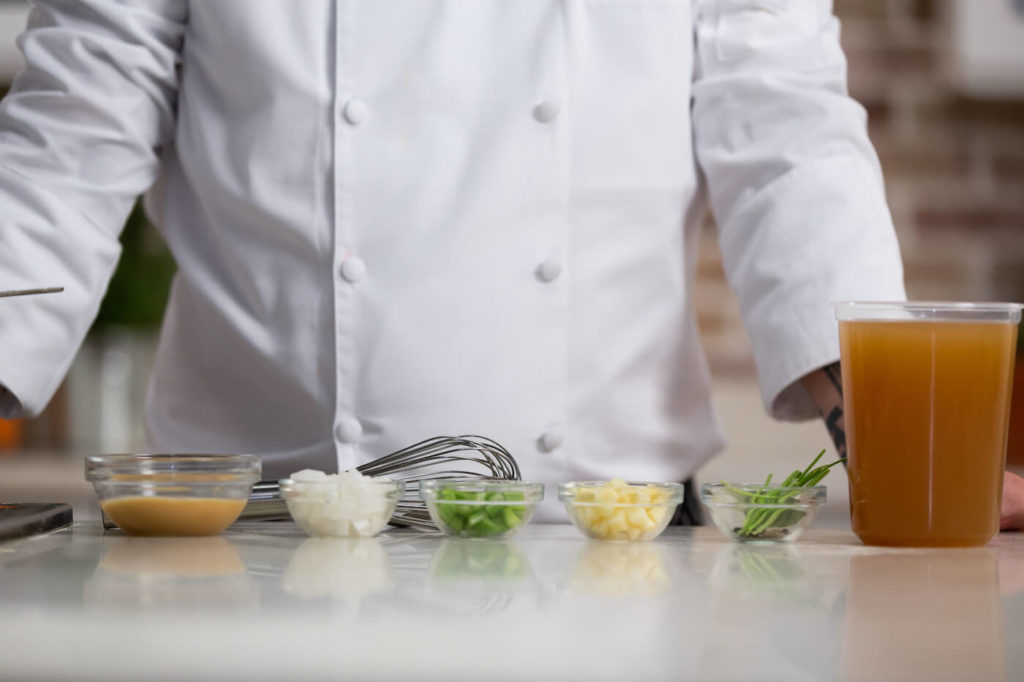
x=1012, y=513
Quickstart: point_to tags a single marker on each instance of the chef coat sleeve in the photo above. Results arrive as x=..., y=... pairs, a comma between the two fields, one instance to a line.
x=794, y=184
x=80, y=138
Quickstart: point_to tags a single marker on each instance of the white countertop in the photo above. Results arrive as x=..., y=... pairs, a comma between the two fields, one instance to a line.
x=273, y=604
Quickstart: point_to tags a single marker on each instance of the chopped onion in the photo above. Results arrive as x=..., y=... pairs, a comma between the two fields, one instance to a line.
x=340, y=505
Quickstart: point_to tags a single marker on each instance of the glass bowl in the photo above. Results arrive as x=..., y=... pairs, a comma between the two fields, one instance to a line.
x=332, y=508
x=480, y=508
x=617, y=510
x=172, y=495
x=753, y=512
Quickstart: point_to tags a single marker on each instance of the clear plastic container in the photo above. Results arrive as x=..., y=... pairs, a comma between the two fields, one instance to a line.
x=616, y=510
x=480, y=508
x=926, y=390
x=174, y=495
x=325, y=509
x=753, y=512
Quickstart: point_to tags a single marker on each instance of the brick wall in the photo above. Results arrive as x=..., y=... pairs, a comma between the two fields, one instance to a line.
x=954, y=170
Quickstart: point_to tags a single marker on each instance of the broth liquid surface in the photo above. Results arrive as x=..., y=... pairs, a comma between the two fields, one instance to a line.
x=173, y=516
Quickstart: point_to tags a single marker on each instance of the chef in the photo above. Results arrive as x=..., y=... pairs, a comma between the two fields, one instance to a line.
x=400, y=219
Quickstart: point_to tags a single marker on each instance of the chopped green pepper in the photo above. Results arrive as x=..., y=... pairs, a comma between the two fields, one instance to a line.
x=478, y=514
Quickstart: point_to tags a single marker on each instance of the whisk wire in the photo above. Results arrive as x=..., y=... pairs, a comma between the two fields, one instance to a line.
x=427, y=460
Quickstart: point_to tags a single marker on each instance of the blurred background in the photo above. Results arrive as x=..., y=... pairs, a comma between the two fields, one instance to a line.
x=943, y=84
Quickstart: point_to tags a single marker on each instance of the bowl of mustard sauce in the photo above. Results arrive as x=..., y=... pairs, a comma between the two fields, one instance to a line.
x=172, y=495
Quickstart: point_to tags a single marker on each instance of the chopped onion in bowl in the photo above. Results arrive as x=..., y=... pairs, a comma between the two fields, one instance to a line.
x=340, y=505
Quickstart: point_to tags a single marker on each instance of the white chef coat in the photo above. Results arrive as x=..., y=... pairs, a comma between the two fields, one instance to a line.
x=401, y=219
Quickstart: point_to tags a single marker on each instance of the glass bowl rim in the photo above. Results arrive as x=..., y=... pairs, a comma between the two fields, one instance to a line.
x=101, y=468
x=818, y=495
x=532, y=492
x=567, y=493
x=288, y=486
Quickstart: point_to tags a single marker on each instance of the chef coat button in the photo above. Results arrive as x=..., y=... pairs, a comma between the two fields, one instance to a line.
x=356, y=111
x=353, y=269
x=349, y=430
x=549, y=270
x=551, y=439
x=547, y=111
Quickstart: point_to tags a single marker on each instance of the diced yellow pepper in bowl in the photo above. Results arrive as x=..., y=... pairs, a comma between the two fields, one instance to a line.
x=617, y=510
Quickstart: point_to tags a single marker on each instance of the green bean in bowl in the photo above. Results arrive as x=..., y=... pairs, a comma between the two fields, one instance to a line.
x=480, y=508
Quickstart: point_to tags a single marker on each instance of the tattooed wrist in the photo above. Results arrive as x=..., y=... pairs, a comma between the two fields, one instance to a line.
x=835, y=375
x=834, y=422
x=826, y=390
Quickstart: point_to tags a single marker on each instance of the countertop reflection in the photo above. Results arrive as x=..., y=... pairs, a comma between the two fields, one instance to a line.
x=266, y=602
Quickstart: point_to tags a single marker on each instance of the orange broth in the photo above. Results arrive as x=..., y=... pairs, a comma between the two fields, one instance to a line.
x=927, y=412
x=177, y=516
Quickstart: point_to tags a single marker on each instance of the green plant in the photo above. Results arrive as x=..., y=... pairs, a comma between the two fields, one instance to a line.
x=141, y=284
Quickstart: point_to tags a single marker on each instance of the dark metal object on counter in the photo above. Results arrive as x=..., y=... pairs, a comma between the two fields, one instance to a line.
x=31, y=292
x=265, y=503
x=31, y=518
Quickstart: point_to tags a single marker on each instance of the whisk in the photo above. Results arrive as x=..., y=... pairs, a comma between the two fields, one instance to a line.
x=441, y=457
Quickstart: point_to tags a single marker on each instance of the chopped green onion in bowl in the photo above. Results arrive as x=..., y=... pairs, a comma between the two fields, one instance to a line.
x=762, y=512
